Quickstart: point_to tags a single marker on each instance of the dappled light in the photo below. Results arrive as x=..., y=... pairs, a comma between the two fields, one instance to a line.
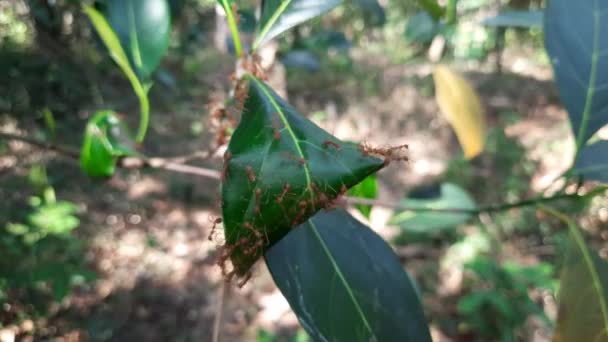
x=303, y=170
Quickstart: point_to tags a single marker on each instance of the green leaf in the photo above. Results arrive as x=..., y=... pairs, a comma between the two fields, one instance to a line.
x=422, y=28
x=373, y=12
x=280, y=169
x=112, y=43
x=592, y=161
x=279, y=16
x=449, y=196
x=143, y=27
x=233, y=25
x=345, y=283
x=574, y=38
x=583, y=294
x=105, y=140
x=55, y=219
x=368, y=188
x=522, y=19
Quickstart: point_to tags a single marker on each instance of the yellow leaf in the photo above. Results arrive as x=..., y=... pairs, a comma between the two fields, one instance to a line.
x=461, y=106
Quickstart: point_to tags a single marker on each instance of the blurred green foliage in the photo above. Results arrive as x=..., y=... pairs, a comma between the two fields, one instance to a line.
x=498, y=303
x=41, y=256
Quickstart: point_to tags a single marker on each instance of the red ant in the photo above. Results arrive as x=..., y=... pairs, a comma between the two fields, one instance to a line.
x=258, y=194
x=215, y=221
x=240, y=94
x=235, y=12
x=276, y=126
x=244, y=280
x=281, y=197
x=388, y=153
x=300, y=161
x=302, y=205
x=227, y=157
x=328, y=143
x=250, y=174
x=321, y=196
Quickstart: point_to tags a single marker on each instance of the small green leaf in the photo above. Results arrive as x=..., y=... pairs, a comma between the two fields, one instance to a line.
x=55, y=219
x=143, y=27
x=592, y=161
x=450, y=196
x=583, y=293
x=522, y=19
x=279, y=16
x=49, y=121
x=105, y=140
x=280, y=169
x=368, y=188
x=345, y=283
x=574, y=38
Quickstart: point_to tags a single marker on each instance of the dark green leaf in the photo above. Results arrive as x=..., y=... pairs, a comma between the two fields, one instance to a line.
x=143, y=27
x=373, y=12
x=421, y=28
x=324, y=40
x=279, y=16
x=247, y=21
x=281, y=169
x=523, y=19
x=366, y=189
x=105, y=140
x=301, y=59
x=450, y=196
x=583, y=295
x=345, y=283
x=592, y=161
x=574, y=38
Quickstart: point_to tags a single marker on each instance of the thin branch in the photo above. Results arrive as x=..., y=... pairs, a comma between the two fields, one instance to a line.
x=169, y=164
x=486, y=209
x=127, y=162
x=60, y=149
x=219, y=311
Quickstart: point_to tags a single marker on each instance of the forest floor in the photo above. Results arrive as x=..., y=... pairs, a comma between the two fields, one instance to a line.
x=146, y=231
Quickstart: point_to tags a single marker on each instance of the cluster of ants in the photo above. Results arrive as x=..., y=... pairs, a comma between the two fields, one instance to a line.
x=248, y=248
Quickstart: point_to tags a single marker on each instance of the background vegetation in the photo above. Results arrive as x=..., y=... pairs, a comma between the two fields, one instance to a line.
x=128, y=256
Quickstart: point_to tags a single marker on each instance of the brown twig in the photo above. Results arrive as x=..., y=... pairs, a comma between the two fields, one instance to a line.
x=169, y=165
x=219, y=311
x=63, y=150
x=127, y=162
x=474, y=211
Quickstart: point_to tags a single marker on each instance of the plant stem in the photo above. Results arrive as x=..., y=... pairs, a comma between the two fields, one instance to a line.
x=483, y=209
x=167, y=164
x=144, y=118
x=219, y=310
x=234, y=28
